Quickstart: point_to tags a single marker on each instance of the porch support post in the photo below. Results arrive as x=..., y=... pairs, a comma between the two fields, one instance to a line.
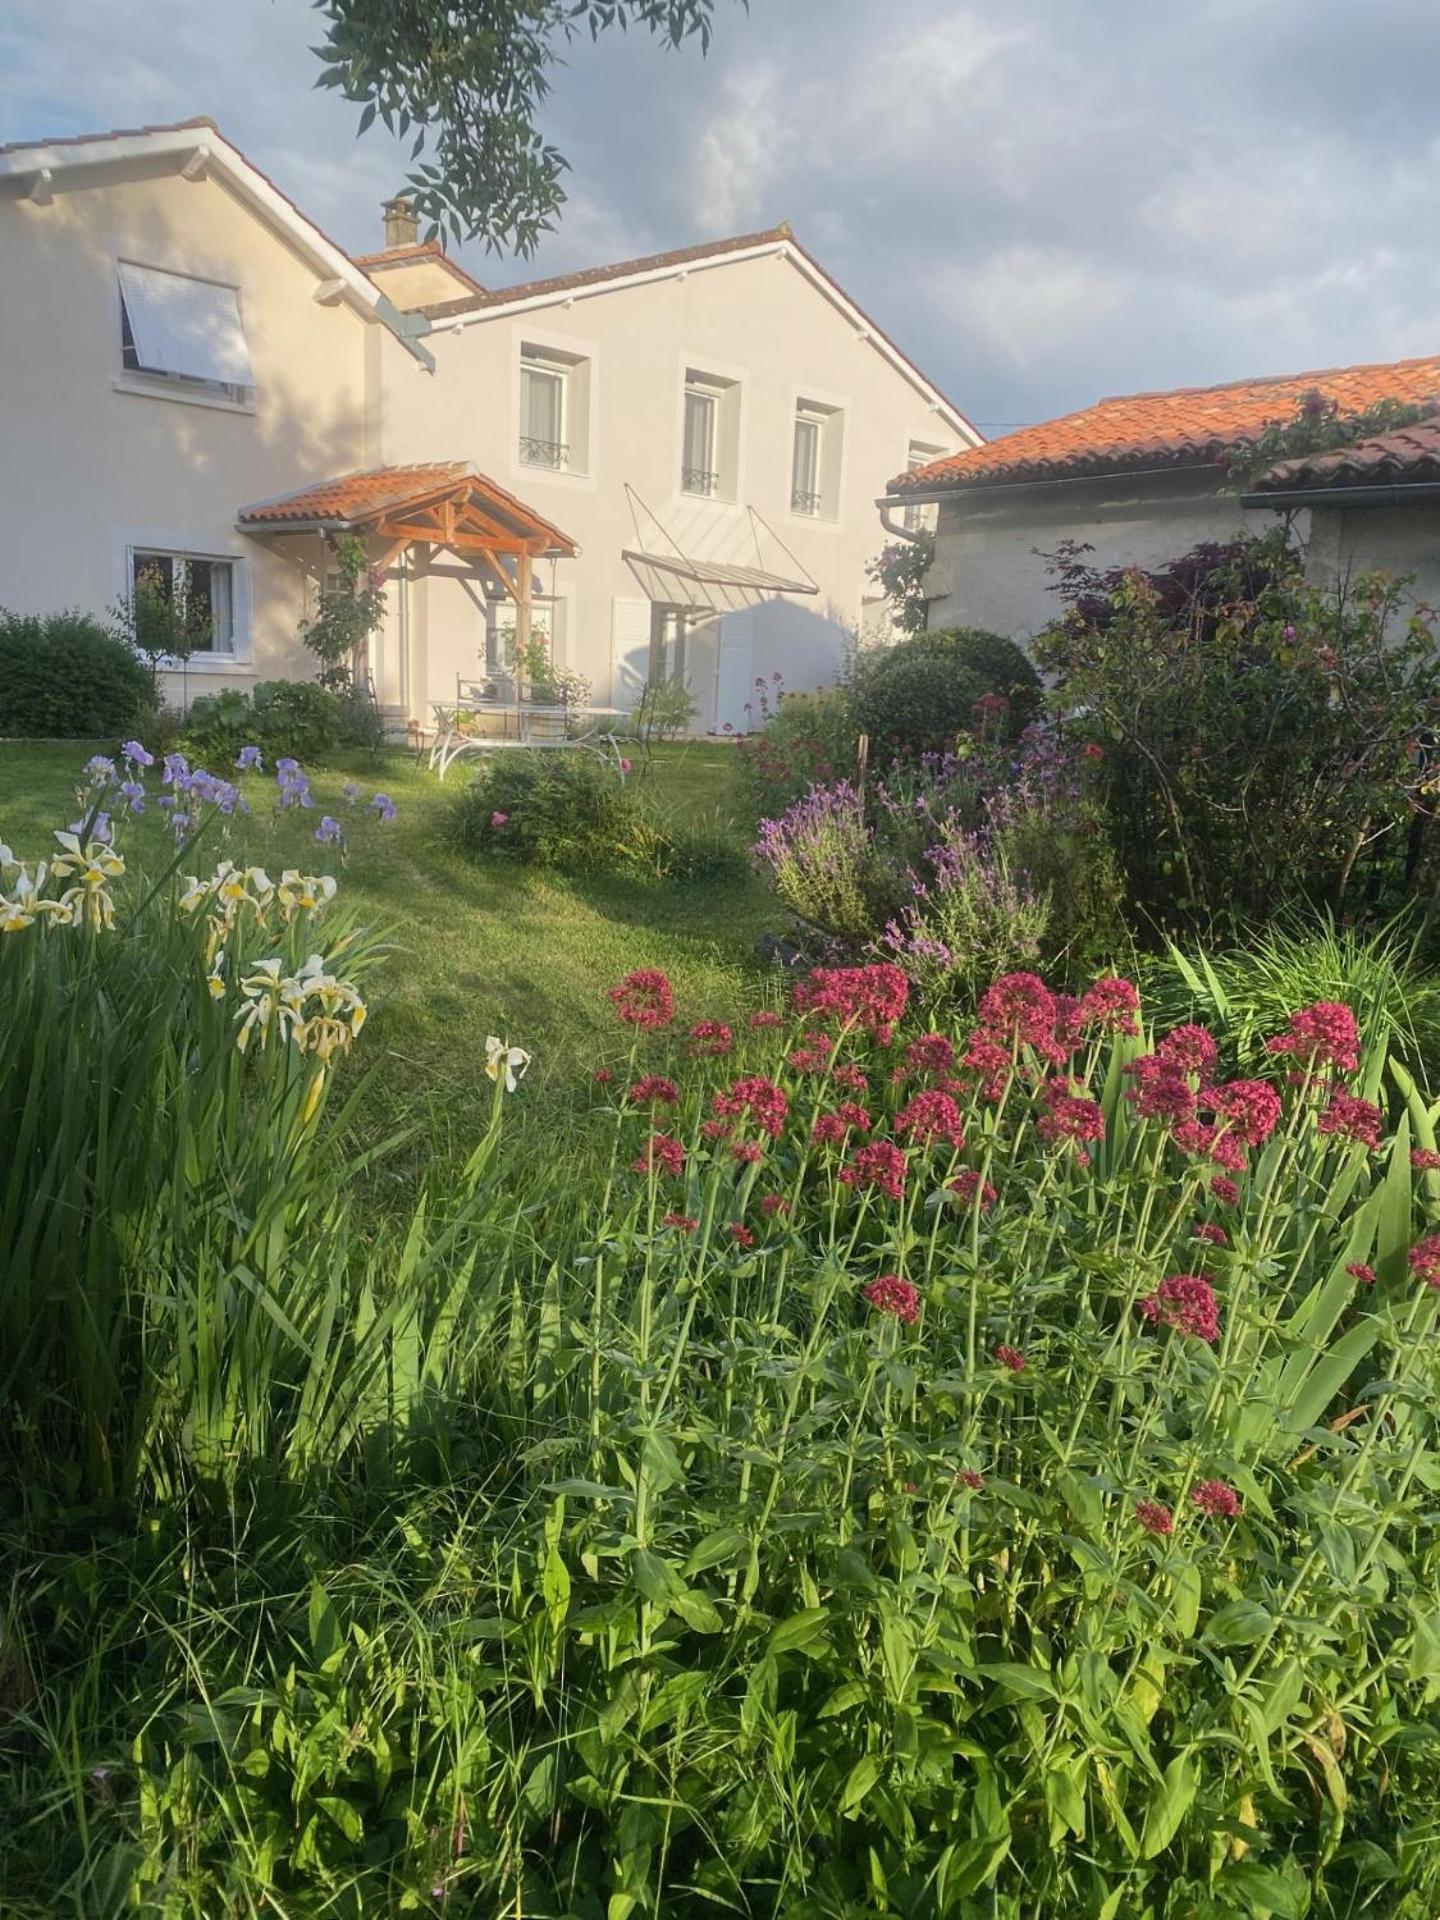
x=524, y=570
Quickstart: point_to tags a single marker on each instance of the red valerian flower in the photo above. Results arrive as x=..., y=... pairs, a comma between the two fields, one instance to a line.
x=1155, y=1517
x=991, y=1062
x=773, y=1203
x=854, y=1079
x=967, y=1183
x=1217, y=1499
x=1207, y=1230
x=1092, y=750
x=1019, y=1005
x=661, y=1154
x=654, y=1091
x=873, y=998
x=1190, y=1048
x=602, y=1076
x=740, y=1234
x=891, y=1294
x=881, y=1165
x=1352, y=1119
x=1423, y=1160
x=1010, y=1358
x=1068, y=1031
x=968, y=1477
x=1224, y=1190
x=1425, y=1260
x=1110, y=1006
x=807, y=1060
x=1324, y=1035
x=931, y=1117
x=716, y=1129
x=1358, y=1270
x=1161, y=1089
x=686, y=1222
x=711, y=1039
x=1068, y=1116
x=1187, y=1303
x=765, y=1017
x=766, y=1103
x=645, y=999
x=746, y=1152
x=1251, y=1108
x=931, y=1053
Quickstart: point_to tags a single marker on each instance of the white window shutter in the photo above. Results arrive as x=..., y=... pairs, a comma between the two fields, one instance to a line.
x=629, y=651
x=185, y=326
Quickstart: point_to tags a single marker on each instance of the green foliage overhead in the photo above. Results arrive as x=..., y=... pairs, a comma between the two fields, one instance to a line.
x=65, y=676
x=467, y=79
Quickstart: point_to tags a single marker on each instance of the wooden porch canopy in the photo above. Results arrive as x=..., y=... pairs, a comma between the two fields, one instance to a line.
x=447, y=504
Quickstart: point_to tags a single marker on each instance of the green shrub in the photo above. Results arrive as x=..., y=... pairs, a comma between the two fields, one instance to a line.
x=804, y=740
x=65, y=676
x=290, y=717
x=920, y=694
x=545, y=808
x=1262, y=739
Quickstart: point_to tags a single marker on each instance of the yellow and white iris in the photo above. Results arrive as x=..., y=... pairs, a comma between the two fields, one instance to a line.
x=92, y=866
x=304, y=892
x=509, y=1061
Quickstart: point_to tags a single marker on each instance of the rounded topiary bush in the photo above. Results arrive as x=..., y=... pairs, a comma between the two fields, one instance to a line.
x=570, y=811
x=67, y=676
x=917, y=695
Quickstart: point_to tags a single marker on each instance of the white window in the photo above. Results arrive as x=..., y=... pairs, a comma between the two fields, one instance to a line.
x=699, y=468
x=805, y=468
x=918, y=518
x=669, y=631
x=547, y=626
x=186, y=332
x=543, y=411
x=194, y=590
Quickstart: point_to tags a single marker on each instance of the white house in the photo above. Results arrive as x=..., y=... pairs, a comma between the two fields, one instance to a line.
x=667, y=465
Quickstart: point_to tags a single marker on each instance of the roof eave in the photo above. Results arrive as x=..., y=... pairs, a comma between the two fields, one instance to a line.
x=956, y=489
x=1395, y=493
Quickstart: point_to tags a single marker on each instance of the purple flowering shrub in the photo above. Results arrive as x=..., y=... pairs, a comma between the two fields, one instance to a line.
x=954, y=865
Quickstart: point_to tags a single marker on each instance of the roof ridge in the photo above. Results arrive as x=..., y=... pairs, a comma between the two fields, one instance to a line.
x=1252, y=380
x=111, y=133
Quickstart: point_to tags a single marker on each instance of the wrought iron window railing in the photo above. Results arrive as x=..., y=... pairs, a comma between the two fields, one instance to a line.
x=544, y=453
x=803, y=502
x=699, y=480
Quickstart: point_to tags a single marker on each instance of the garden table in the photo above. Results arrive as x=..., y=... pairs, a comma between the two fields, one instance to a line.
x=534, y=725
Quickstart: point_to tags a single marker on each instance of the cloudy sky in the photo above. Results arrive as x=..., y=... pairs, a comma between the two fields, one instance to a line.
x=1043, y=200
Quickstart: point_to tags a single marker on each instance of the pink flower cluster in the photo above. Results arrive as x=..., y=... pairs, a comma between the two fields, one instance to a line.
x=654, y=1091
x=1352, y=1119
x=645, y=999
x=968, y=1183
x=711, y=1039
x=1111, y=1005
x=870, y=998
x=766, y=1104
x=881, y=1165
x=1069, y=1116
x=1323, y=1035
x=931, y=1119
x=1186, y=1302
x=890, y=1294
x=660, y=1154
x=1217, y=1499
x=831, y=1129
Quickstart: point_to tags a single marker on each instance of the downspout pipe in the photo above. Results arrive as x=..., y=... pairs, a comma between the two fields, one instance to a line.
x=887, y=508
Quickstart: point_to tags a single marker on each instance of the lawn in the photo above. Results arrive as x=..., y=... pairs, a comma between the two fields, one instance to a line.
x=479, y=948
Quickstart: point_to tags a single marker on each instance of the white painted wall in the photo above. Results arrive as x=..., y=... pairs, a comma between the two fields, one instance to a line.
x=989, y=568
x=757, y=322
x=87, y=468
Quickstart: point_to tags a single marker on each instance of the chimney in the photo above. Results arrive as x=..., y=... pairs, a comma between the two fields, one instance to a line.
x=402, y=223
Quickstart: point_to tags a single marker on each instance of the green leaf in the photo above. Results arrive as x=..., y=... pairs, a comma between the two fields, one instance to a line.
x=651, y=1577
x=323, y=1624
x=725, y=1545
x=346, y=1817
x=1168, y=1806
x=661, y=1462
x=1031, y=1683
x=1261, y=1891
x=1425, y=1648
x=537, y=1797
x=1240, y=1624
x=1283, y=1696
x=861, y=1778
x=801, y=1633
x=697, y=1610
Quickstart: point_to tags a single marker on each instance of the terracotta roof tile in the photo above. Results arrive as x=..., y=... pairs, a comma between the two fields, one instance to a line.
x=115, y=133
x=353, y=498
x=617, y=270
x=1408, y=454
x=1189, y=426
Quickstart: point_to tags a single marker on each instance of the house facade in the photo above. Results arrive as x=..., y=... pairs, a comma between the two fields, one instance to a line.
x=665, y=467
x=1142, y=479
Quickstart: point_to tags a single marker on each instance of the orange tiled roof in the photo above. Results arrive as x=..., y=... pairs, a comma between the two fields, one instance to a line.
x=353, y=499
x=1189, y=426
x=1408, y=455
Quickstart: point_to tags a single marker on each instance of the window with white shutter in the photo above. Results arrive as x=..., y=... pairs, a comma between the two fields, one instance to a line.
x=175, y=328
